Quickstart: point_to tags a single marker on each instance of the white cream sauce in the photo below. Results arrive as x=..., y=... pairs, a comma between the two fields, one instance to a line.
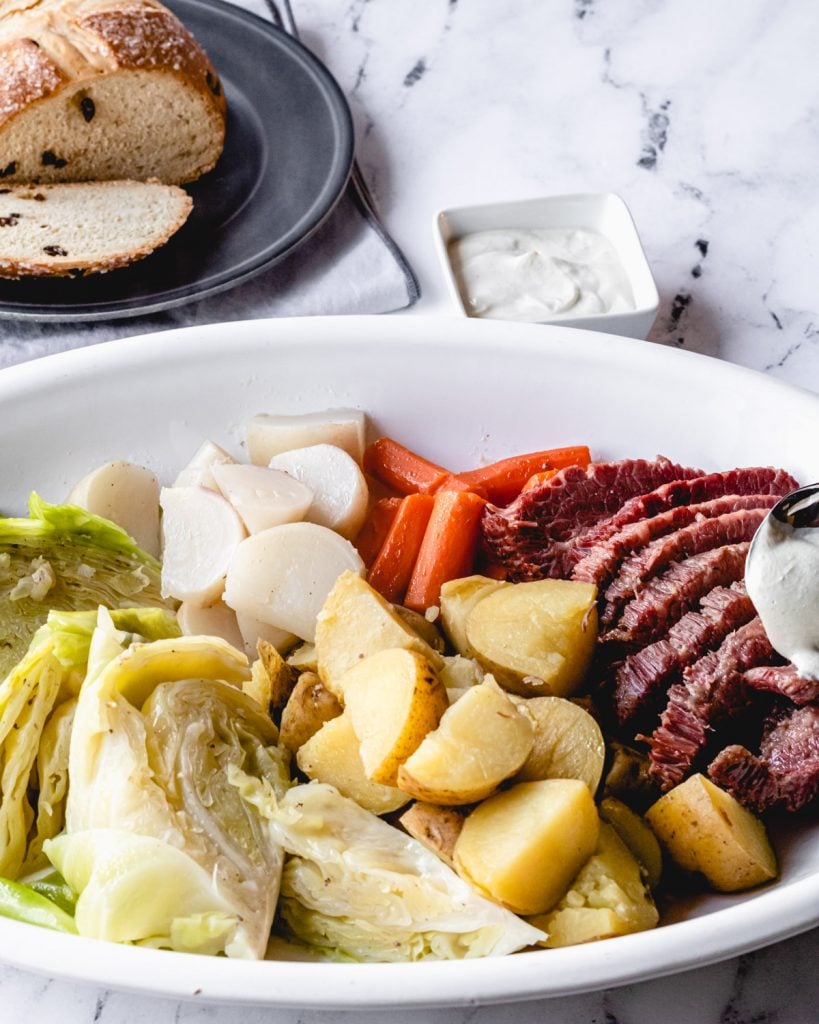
x=782, y=578
x=539, y=274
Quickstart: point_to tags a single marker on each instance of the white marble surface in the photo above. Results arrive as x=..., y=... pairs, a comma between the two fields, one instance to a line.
x=704, y=117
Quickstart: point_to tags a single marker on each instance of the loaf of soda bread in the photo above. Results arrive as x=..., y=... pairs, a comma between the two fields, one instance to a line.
x=94, y=90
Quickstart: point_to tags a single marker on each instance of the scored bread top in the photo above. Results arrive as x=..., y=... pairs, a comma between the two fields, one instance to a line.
x=46, y=44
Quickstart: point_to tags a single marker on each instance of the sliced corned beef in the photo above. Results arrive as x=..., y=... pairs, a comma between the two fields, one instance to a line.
x=600, y=564
x=666, y=598
x=686, y=491
x=644, y=676
x=532, y=536
x=785, y=680
x=712, y=691
x=786, y=772
x=704, y=535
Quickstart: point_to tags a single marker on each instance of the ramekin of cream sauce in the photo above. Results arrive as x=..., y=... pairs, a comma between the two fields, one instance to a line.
x=539, y=274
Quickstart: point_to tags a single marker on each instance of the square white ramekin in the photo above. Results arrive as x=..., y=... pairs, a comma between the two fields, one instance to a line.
x=603, y=211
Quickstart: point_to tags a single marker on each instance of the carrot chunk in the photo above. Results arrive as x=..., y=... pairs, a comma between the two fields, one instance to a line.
x=374, y=532
x=448, y=548
x=537, y=479
x=503, y=481
x=392, y=569
x=401, y=469
x=457, y=483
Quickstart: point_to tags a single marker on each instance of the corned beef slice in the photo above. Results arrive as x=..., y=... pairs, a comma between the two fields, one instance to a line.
x=654, y=558
x=687, y=491
x=784, y=680
x=532, y=536
x=712, y=691
x=643, y=677
x=600, y=564
x=665, y=599
x=786, y=772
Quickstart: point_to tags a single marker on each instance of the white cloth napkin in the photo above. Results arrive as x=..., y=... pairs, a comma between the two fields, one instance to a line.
x=350, y=265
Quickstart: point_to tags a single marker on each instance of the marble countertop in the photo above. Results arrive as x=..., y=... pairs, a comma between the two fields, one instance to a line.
x=704, y=118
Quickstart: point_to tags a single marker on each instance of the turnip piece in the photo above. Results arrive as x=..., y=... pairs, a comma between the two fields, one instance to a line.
x=253, y=630
x=215, y=620
x=263, y=497
x=201, y=532
x=340, y=493
x=282, y=575
x=268, y=435
x=126, y=494
x=198, y=472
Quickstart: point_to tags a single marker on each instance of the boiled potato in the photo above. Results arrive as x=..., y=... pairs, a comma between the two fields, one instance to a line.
x=354, y=622
x=458, y=598
x=258, y=686
x=536, y=638
x=707, y=830
x=436, y=827
x=310, y=705
x=332, y=755
x=568, y=743
x=482, y=739
x=393, y=698
x=629, y=778
x=637, y=836
x=303, y=658
x=421, y=625
x=281, y=677
x=607, y=897
x=460, y=673
x=523, y=847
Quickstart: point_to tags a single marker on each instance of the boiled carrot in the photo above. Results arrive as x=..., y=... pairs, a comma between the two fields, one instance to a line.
x=401, y=469
x=537, y=479
x=377, y=525
x=457, y=483
x=503, y=481
x=448, y=548
x=391, y=571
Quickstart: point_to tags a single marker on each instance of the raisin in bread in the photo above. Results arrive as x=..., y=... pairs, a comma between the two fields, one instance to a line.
x=95, y=90
x=84, y=228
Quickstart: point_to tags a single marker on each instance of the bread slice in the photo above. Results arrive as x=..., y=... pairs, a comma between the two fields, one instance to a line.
x=94, y=90
x=85, y=228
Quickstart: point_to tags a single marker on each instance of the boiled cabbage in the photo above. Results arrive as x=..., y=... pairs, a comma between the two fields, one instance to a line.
x=355, y=886
x=35, y=721
x=63, y=557
x=159, y=846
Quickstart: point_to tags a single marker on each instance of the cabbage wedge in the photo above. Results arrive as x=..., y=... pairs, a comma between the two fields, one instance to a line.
x=62, y=557
x=159, y=846
x=36, y=711
x=357, y=887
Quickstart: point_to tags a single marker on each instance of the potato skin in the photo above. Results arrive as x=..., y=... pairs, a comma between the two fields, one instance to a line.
x=436, y=827
x=523, y=846
x=705, y=829
x=282, y=677
x=310, y=705
x=637, y=836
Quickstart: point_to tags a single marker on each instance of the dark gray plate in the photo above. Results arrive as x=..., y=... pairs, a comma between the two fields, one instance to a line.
x=288, y=154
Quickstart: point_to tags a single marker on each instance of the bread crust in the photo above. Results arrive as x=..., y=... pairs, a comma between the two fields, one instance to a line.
x=58, y=266
x=52, y=45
